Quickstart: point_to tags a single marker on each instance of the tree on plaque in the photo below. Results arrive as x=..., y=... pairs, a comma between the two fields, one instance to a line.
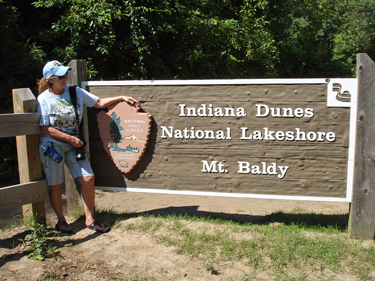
x=114, y=130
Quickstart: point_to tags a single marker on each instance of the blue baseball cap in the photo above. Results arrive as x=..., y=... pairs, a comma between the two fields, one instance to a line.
x=55, y=68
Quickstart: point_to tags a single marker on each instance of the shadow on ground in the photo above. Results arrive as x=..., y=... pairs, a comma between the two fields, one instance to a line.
x=339, y=221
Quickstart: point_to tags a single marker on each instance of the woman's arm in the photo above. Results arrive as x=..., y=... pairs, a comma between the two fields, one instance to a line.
x=105, y=102
x=56, y=134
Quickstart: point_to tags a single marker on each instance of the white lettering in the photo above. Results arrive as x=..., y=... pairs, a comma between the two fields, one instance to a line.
x=191, y=133
x=210, y=111
x=243, y=167
x=264, y=169
x=209, y=168
x=299, y=112
x=297, y=135
x=259, y=110
x=268, y=134
x=330, y=136
x=182, y=111
x=212, y=167
x=309, y=112
x=165, y=130
x=263, y=110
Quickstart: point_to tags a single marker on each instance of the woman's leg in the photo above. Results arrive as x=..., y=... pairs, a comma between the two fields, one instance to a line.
x=86, y=187
x=55, y=198
x=55, y=177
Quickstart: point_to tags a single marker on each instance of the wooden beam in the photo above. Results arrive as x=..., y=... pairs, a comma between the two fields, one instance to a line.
x=78, y=72
x=21, y=194
x=73, y=199
x=23, y=101
x=19, y=124
x=362, y=213
x=76, y=76
x=29, y=164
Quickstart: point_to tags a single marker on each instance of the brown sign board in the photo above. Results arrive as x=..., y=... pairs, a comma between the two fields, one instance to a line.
x=244, y=138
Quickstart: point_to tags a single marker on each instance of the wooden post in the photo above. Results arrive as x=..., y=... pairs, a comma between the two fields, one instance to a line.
x=362, y=213
x=76, y=76
x=29, y=165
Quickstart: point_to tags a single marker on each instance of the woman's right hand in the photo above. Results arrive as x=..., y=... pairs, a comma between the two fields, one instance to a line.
x=75, y=141
x=50, y=131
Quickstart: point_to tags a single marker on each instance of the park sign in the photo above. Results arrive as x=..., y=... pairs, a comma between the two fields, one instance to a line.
x=267, y=138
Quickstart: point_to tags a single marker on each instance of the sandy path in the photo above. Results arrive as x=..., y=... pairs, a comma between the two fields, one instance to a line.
x=242, y=208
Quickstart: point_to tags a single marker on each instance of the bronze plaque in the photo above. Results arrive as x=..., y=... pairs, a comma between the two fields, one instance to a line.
x=124, y=132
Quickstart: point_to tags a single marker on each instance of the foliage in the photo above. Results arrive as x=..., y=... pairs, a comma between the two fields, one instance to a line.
x=8, y=162
x=166, y=39
x=20, y=57
x=21, y=60
x=161, y=39
x=356, y=34
x=40, y=248
x=304, y=32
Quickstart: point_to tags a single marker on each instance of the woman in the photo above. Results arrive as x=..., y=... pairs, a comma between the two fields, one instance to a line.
x=60, y=134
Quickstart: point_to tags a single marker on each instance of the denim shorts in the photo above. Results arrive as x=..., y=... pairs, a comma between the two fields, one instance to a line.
x=55, y=171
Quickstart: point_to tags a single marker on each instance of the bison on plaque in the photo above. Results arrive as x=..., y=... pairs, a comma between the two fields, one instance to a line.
x=124, y=132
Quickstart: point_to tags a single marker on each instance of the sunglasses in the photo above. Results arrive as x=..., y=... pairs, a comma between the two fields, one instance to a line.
x=61, y=77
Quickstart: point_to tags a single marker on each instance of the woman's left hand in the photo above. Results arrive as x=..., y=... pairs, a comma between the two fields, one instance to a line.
x=105, y=102
x=131, y=101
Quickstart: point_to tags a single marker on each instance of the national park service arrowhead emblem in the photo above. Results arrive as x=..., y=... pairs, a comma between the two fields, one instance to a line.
x=124, y=132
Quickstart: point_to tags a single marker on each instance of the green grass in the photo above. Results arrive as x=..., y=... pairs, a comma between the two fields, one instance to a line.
x=272, y=245
x=17, y=221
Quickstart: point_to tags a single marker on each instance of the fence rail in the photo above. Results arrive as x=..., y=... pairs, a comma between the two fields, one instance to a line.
x=22, y=194
x=23, y=124
x=12, y=125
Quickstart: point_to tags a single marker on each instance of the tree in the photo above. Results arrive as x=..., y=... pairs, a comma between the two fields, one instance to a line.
x=305, y=31
x=166, y=39
x=20, y=60
x=356, y=34
x=115, y=131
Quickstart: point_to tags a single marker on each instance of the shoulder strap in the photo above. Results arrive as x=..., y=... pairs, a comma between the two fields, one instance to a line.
x=73, y=95
x=73, y=98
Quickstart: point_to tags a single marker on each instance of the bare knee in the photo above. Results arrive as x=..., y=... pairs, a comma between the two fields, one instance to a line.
x=86, y=181
x=56, y=187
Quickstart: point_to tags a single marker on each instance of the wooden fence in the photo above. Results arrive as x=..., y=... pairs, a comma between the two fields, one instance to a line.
x=23, y=124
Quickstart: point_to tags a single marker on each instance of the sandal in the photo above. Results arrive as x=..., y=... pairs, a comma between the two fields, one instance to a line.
x=63, y=223
x=96, y=223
